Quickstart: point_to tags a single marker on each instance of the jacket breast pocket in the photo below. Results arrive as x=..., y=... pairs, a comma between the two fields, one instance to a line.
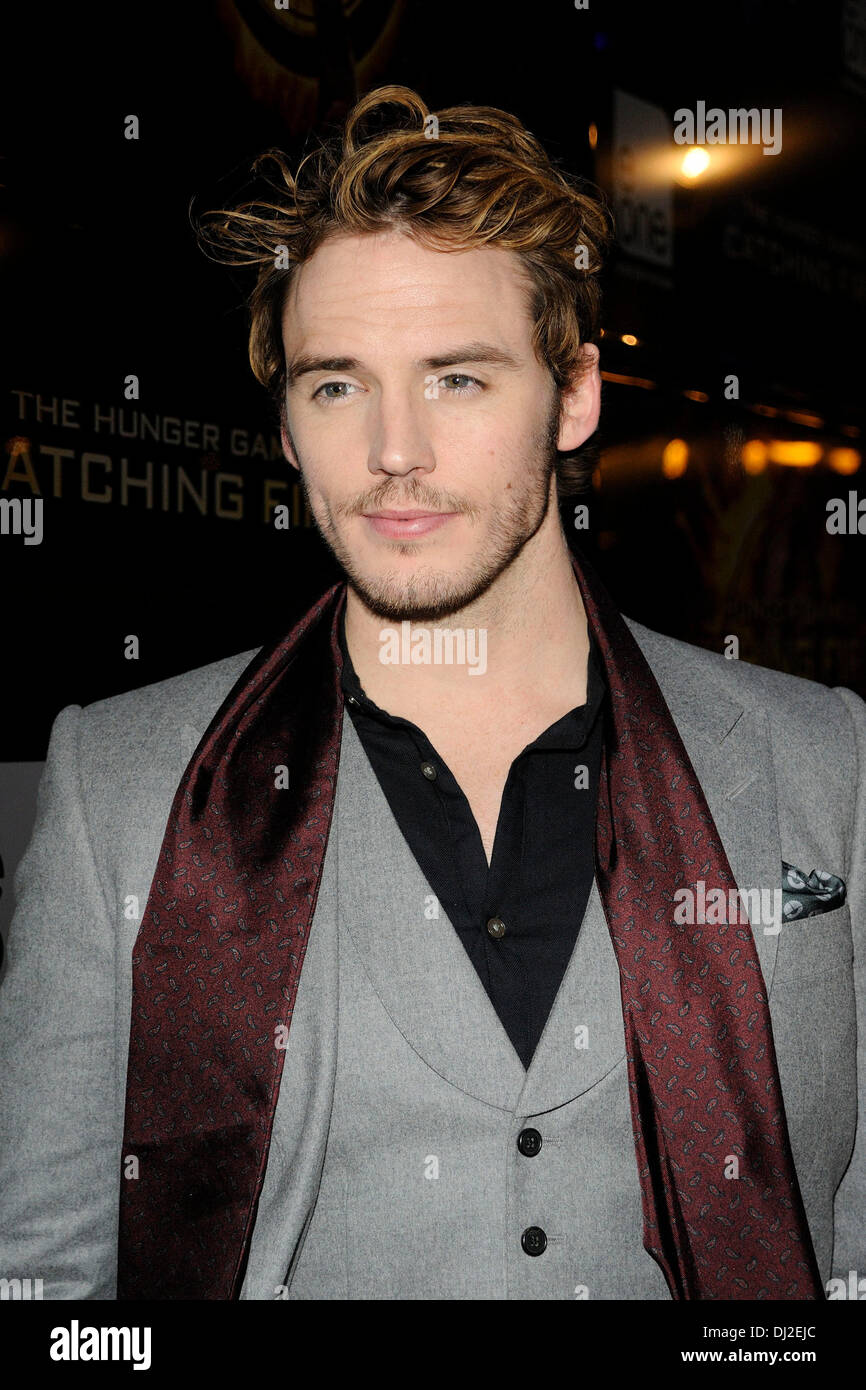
x=817, y=945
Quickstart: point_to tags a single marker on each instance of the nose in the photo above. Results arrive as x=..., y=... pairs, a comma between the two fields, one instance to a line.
x=399, y=441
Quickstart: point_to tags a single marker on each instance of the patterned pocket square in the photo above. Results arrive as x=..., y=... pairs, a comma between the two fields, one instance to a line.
x=808, y=895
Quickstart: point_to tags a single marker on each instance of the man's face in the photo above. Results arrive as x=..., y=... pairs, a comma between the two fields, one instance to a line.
x=413, y=385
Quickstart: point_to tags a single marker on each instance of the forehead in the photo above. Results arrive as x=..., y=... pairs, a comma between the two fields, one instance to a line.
x=387, y=282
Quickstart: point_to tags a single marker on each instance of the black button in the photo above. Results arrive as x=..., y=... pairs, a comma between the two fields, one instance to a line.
x=534, y=1241
x=496, y=927
x=429, y=771
x=529, y=1142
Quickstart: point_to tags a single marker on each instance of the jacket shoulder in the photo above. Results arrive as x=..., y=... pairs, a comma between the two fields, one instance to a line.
x=805, y=716
x=143, y=738
x=751, y=685
x=188, y=696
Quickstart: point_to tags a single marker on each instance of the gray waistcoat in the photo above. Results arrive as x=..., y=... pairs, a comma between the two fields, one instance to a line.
x=395, y=1172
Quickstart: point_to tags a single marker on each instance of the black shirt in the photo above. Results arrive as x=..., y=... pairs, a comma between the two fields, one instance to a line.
x=519, y=918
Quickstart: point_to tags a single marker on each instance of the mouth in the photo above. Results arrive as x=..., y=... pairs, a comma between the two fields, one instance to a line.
x=406, y=522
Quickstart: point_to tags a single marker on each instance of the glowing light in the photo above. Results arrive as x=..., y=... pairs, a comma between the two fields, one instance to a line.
x=675, y=457
x=623, y=380
x=593, y=135
x=794, y=453
x=696, y=395
x=753, y=456
x=695, y=162
x=629, y=339
x=804, y=417
x=844, y=460
x=768, y=410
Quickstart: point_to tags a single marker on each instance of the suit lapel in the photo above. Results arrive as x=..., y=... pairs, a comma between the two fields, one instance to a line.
x=731, y=752
x=584, y=1036
x=415, y=960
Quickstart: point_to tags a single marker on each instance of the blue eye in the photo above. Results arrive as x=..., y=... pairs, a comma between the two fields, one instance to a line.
x=327, y=386
x=460, y=376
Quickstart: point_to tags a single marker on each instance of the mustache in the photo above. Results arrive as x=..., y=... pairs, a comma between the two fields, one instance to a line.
x=384, y=497
x=417, y=497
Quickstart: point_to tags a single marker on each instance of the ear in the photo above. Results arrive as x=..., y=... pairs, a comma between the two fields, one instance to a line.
x=581, y=402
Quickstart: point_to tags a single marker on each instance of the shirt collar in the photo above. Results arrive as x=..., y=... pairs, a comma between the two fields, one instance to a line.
x=571, y=729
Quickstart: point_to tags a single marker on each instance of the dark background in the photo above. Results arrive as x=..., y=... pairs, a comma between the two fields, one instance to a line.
x=101, y=277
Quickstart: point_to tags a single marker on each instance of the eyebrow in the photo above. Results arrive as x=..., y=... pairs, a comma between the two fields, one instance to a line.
x=465, y=352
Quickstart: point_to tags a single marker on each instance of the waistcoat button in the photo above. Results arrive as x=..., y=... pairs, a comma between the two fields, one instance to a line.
x=429, y=771
x=529, y=1142
x=496, y=927
x=533, y=1240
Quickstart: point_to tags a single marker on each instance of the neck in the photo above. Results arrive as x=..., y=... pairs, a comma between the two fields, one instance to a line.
x=534, y=652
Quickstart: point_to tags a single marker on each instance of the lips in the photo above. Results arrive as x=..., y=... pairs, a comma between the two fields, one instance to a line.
x=406, y=523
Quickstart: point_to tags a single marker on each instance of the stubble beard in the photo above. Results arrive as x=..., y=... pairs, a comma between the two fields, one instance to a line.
x=430, y=594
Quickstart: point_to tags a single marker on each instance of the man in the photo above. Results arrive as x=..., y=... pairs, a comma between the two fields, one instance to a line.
x=452, y=998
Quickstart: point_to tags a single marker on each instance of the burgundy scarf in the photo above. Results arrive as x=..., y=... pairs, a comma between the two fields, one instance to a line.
x=218, y=958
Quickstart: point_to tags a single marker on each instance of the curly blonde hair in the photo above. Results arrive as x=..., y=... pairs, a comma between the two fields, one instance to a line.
x=464, y=177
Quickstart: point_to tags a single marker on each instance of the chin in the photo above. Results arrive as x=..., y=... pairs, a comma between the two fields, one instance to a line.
x=398, y=610
x=430, y=597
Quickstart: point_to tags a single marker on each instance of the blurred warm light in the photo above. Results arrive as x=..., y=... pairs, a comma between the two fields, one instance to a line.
x=769, y=410
x=695, y=161
x=753, y=456
x=660, y=164
x=629, y=339
x=794, y=453
x=593, y=135
x=696, y=395
x=844, y=460
x=803, y=417
x=852, y=431
x=675, y=456
x=596, y=479
x=623, y=380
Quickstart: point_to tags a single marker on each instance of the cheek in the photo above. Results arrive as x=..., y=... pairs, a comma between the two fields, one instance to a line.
x=512, y=460
x=329, y=455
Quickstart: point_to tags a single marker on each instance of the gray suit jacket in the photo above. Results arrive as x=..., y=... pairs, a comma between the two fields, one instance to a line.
x=780, y=762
